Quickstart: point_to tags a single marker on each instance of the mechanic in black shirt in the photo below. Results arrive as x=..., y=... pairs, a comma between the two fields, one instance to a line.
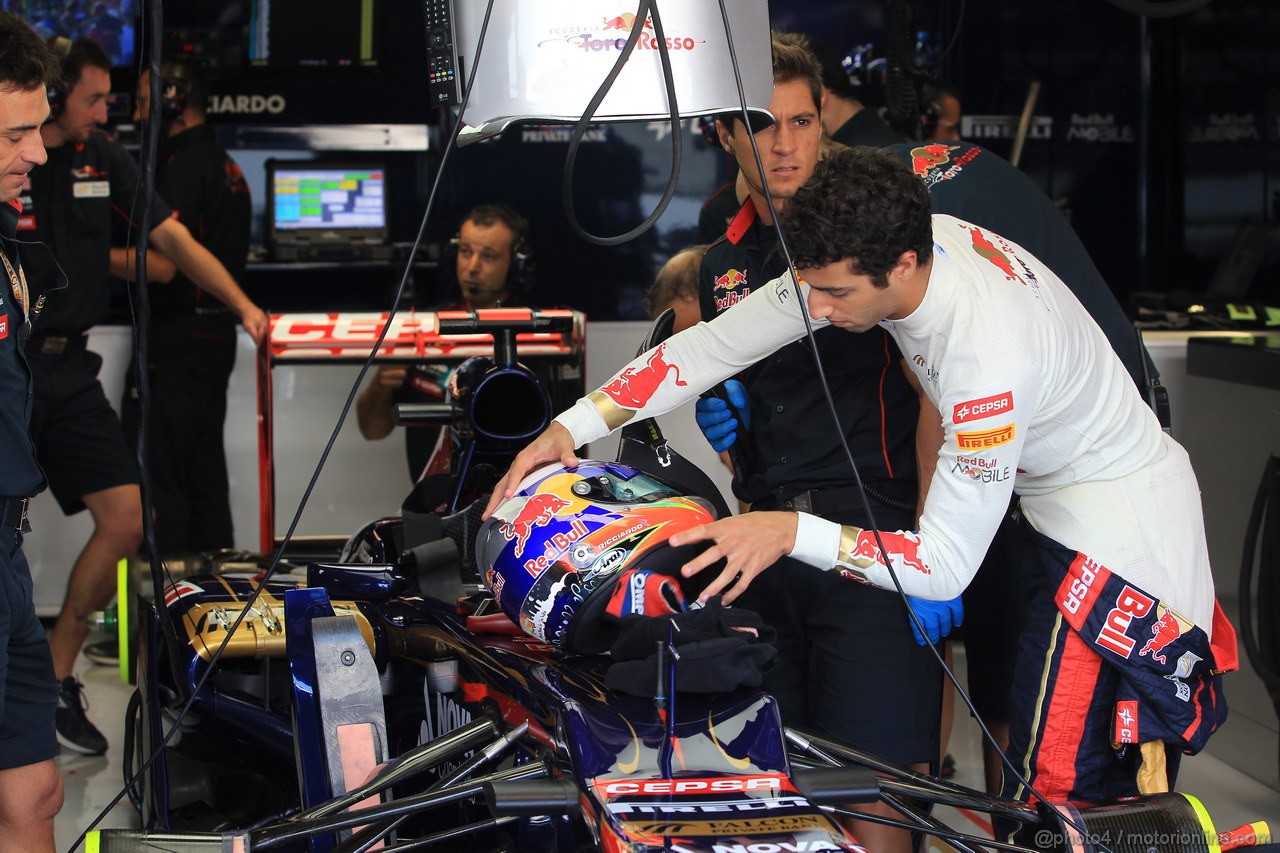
x=88, y=180
x=193, y=335
x=30, y=785
x=849, y=664
x=492, y=259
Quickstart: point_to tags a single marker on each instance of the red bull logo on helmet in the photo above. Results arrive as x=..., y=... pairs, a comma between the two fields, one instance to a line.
x=537, y=511
x=635, y=386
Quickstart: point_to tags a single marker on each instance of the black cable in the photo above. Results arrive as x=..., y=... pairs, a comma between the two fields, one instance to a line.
x=306, y=495
x=647, y=9
x=844, y=444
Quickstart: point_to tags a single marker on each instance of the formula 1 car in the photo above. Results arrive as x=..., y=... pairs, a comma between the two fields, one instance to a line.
x=442, y=683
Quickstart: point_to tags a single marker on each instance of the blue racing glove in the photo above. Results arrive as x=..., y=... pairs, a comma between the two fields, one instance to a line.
x=719, y=421
x=937, y=617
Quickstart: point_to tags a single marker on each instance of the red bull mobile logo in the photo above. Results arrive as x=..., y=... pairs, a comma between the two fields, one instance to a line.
x=1164, y=631
x=537, y=511
x=635, y=386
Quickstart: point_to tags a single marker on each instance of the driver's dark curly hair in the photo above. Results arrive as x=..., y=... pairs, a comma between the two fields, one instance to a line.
x=862, y=204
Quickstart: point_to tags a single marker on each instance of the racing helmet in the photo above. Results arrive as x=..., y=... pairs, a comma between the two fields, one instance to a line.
x=575, y=543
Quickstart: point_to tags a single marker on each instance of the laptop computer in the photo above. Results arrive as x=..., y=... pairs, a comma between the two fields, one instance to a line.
x=326, y=211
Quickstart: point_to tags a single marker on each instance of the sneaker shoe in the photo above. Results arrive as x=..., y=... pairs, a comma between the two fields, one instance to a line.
x=106, y=653
x=75, y=732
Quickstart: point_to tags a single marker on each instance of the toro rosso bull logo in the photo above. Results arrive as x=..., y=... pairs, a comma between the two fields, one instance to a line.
x=905, y=546
x=537, y=511
x=987, y=249
x=1164, y=631
x=635, y=386
x=927, y=157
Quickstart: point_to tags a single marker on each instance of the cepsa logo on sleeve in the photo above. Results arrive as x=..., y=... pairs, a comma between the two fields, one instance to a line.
x=983, y=407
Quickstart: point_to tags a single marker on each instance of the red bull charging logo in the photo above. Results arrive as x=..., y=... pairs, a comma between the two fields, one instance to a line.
x=731, y=280
x=635, y=386
x=537, y=511
x=1164, y=631
x=624, y=22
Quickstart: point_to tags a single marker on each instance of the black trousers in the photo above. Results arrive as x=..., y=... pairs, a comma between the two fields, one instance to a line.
x=191, y=358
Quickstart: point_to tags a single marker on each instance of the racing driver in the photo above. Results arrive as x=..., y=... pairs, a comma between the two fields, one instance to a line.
x=1121, y=655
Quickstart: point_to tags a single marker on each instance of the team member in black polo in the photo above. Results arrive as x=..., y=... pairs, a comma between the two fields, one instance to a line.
x=89, y=180
x=193, y=335
x=971, y=183
x=850, y=666
x=30, y=786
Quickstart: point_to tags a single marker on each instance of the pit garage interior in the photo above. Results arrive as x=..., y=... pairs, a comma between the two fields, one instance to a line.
x=1154, y=125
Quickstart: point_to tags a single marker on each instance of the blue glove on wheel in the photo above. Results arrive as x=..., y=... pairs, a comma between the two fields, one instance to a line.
x=937, y=617
x=719, y=421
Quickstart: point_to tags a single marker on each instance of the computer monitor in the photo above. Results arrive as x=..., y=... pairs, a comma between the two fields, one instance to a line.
x=347, y=35
x=325, y=209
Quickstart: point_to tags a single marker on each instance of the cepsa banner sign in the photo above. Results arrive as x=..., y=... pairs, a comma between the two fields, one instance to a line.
x=351, y=335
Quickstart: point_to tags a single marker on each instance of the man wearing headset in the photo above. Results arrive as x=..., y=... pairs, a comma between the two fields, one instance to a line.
x=492, y=253
x=193, y=335
x=30, y=785
x=88, y=182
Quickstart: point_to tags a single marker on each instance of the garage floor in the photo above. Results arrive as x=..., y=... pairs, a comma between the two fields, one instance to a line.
x=1231, y=797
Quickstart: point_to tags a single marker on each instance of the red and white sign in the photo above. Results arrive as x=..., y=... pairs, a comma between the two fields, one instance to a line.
x=689, y=786
x=409, y=334
x=178, y=591
x=983, y=407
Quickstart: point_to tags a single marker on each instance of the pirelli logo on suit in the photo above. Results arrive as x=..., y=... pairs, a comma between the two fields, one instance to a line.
x=986, y=438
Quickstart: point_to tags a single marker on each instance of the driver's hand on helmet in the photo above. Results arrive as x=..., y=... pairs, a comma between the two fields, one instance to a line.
x=554, y=445
x=750, y=543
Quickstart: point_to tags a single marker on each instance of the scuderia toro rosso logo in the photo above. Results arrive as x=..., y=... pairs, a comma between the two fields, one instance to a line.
x=609, y=35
